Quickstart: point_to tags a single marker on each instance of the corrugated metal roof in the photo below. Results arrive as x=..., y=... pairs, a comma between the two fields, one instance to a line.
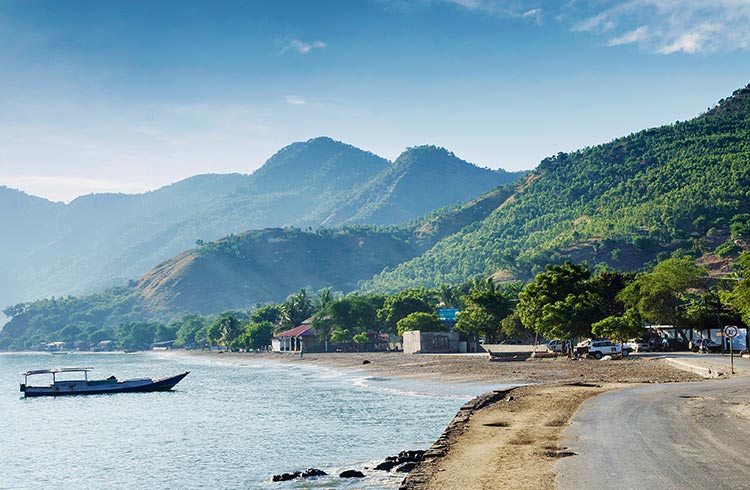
x=301, y=331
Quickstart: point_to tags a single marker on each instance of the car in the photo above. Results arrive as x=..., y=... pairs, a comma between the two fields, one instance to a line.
x=672, y=345
x=555, y=345
x=594, y=347
x=639, y=345
x=655, y=343
x=600, y=348
x=704, y=345
x=512, y=342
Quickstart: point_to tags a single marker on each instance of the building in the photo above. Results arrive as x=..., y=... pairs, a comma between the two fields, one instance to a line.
x=416, y=342
x=301, y=338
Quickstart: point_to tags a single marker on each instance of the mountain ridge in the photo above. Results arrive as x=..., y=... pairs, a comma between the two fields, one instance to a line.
x=103, y=240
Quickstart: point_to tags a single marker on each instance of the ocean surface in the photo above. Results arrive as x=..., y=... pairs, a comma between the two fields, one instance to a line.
x=227, y=425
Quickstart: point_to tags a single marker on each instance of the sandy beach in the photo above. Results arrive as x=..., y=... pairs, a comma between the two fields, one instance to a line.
x=506, y=439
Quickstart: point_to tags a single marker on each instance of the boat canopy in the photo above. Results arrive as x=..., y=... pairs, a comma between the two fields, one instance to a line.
x=59, y=370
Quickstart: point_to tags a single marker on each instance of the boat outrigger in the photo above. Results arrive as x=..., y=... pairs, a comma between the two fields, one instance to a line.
x=94, y=387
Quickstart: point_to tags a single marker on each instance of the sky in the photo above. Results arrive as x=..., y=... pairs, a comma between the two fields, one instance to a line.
x=128, y=96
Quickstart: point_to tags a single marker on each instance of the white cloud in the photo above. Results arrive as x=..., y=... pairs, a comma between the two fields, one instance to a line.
x=631, y=37
x=302, y=47
x=501, y=8
x=294, y=100
x=657, y=26
x=597, y=23
x=687, y=43
x=535, y=14
x=669, y=26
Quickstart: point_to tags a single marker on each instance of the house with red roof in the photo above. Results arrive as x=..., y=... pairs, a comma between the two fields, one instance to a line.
x=298, y=339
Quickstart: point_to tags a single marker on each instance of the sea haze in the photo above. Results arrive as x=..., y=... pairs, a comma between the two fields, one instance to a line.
x=230, y=425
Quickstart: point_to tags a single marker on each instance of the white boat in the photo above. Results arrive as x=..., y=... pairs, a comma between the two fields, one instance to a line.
x=93, y=387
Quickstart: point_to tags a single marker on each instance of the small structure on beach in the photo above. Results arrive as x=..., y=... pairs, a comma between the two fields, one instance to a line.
x=301, y=338
x=416, y=342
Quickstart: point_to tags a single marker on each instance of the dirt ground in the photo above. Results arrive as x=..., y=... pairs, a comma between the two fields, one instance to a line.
x=506, y=439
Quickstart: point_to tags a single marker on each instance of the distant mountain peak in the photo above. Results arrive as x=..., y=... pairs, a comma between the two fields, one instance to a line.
x=429, y=157
x=320, y=161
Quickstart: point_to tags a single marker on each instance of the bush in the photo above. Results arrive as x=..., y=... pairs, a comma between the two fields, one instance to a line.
x=727, y=249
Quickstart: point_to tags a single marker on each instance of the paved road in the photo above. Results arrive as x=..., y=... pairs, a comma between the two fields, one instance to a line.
x=665, y=436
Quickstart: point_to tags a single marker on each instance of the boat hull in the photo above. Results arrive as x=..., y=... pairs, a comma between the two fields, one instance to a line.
x=67, y=388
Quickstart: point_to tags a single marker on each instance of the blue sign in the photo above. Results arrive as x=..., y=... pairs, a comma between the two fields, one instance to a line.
x=448, y=314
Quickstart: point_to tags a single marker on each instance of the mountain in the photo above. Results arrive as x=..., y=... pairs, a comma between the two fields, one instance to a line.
x=266, y=265
x=678, y=189
x=75, y=243
x=104, y=240
x=242, y=270
x=420, y=178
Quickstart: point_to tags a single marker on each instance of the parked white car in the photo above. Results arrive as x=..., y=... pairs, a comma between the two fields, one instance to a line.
x=639, y=345
x=601, y=348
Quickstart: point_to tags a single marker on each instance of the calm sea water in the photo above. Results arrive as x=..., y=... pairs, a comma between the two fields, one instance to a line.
x=224, y=426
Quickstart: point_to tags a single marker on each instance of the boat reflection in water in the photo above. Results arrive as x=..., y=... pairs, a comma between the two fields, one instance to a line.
x=94, y=387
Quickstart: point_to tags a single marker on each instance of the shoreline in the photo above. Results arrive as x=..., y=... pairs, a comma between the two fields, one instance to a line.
x=507, y=437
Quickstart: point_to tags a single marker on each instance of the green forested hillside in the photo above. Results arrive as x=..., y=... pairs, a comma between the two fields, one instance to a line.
x=675, y=188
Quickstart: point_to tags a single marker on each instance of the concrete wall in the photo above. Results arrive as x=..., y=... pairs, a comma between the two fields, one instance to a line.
x=416, y=342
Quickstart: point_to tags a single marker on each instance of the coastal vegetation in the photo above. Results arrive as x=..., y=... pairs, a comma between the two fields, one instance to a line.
x=565, y=301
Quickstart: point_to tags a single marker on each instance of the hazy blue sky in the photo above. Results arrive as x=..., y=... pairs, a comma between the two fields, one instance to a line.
x=131, y=95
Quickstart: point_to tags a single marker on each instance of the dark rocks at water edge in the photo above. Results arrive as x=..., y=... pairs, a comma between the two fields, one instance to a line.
x=403, y=463
x=308, y=473
x=351, y=474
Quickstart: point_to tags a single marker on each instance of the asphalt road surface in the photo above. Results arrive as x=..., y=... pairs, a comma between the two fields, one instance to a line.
x=662, y=436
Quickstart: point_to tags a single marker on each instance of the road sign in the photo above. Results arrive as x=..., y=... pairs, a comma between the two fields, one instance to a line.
x=731, y=331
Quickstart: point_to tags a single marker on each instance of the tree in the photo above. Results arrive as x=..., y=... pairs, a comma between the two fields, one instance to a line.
x=402, y=304
x=101, y=335
x=347, y=317
x=165, y=333
x=297, y=308
x=512, y=326
x=663, y=295
x=360, y=339
x=448, y=296
x=424, y=322
x=225, y=330
x=473, y=321
x=560, y=303
x=740, y=296
x=266, y=313
x=191, y=330
x=571, y=317
x=257, y=336
x=324, y=298
x=136, y=335
x=619, y=328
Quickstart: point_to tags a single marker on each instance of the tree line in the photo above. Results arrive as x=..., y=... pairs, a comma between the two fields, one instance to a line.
x=565, y=301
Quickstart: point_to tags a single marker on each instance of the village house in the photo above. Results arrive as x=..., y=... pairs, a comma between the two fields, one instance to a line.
x=299, y=339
